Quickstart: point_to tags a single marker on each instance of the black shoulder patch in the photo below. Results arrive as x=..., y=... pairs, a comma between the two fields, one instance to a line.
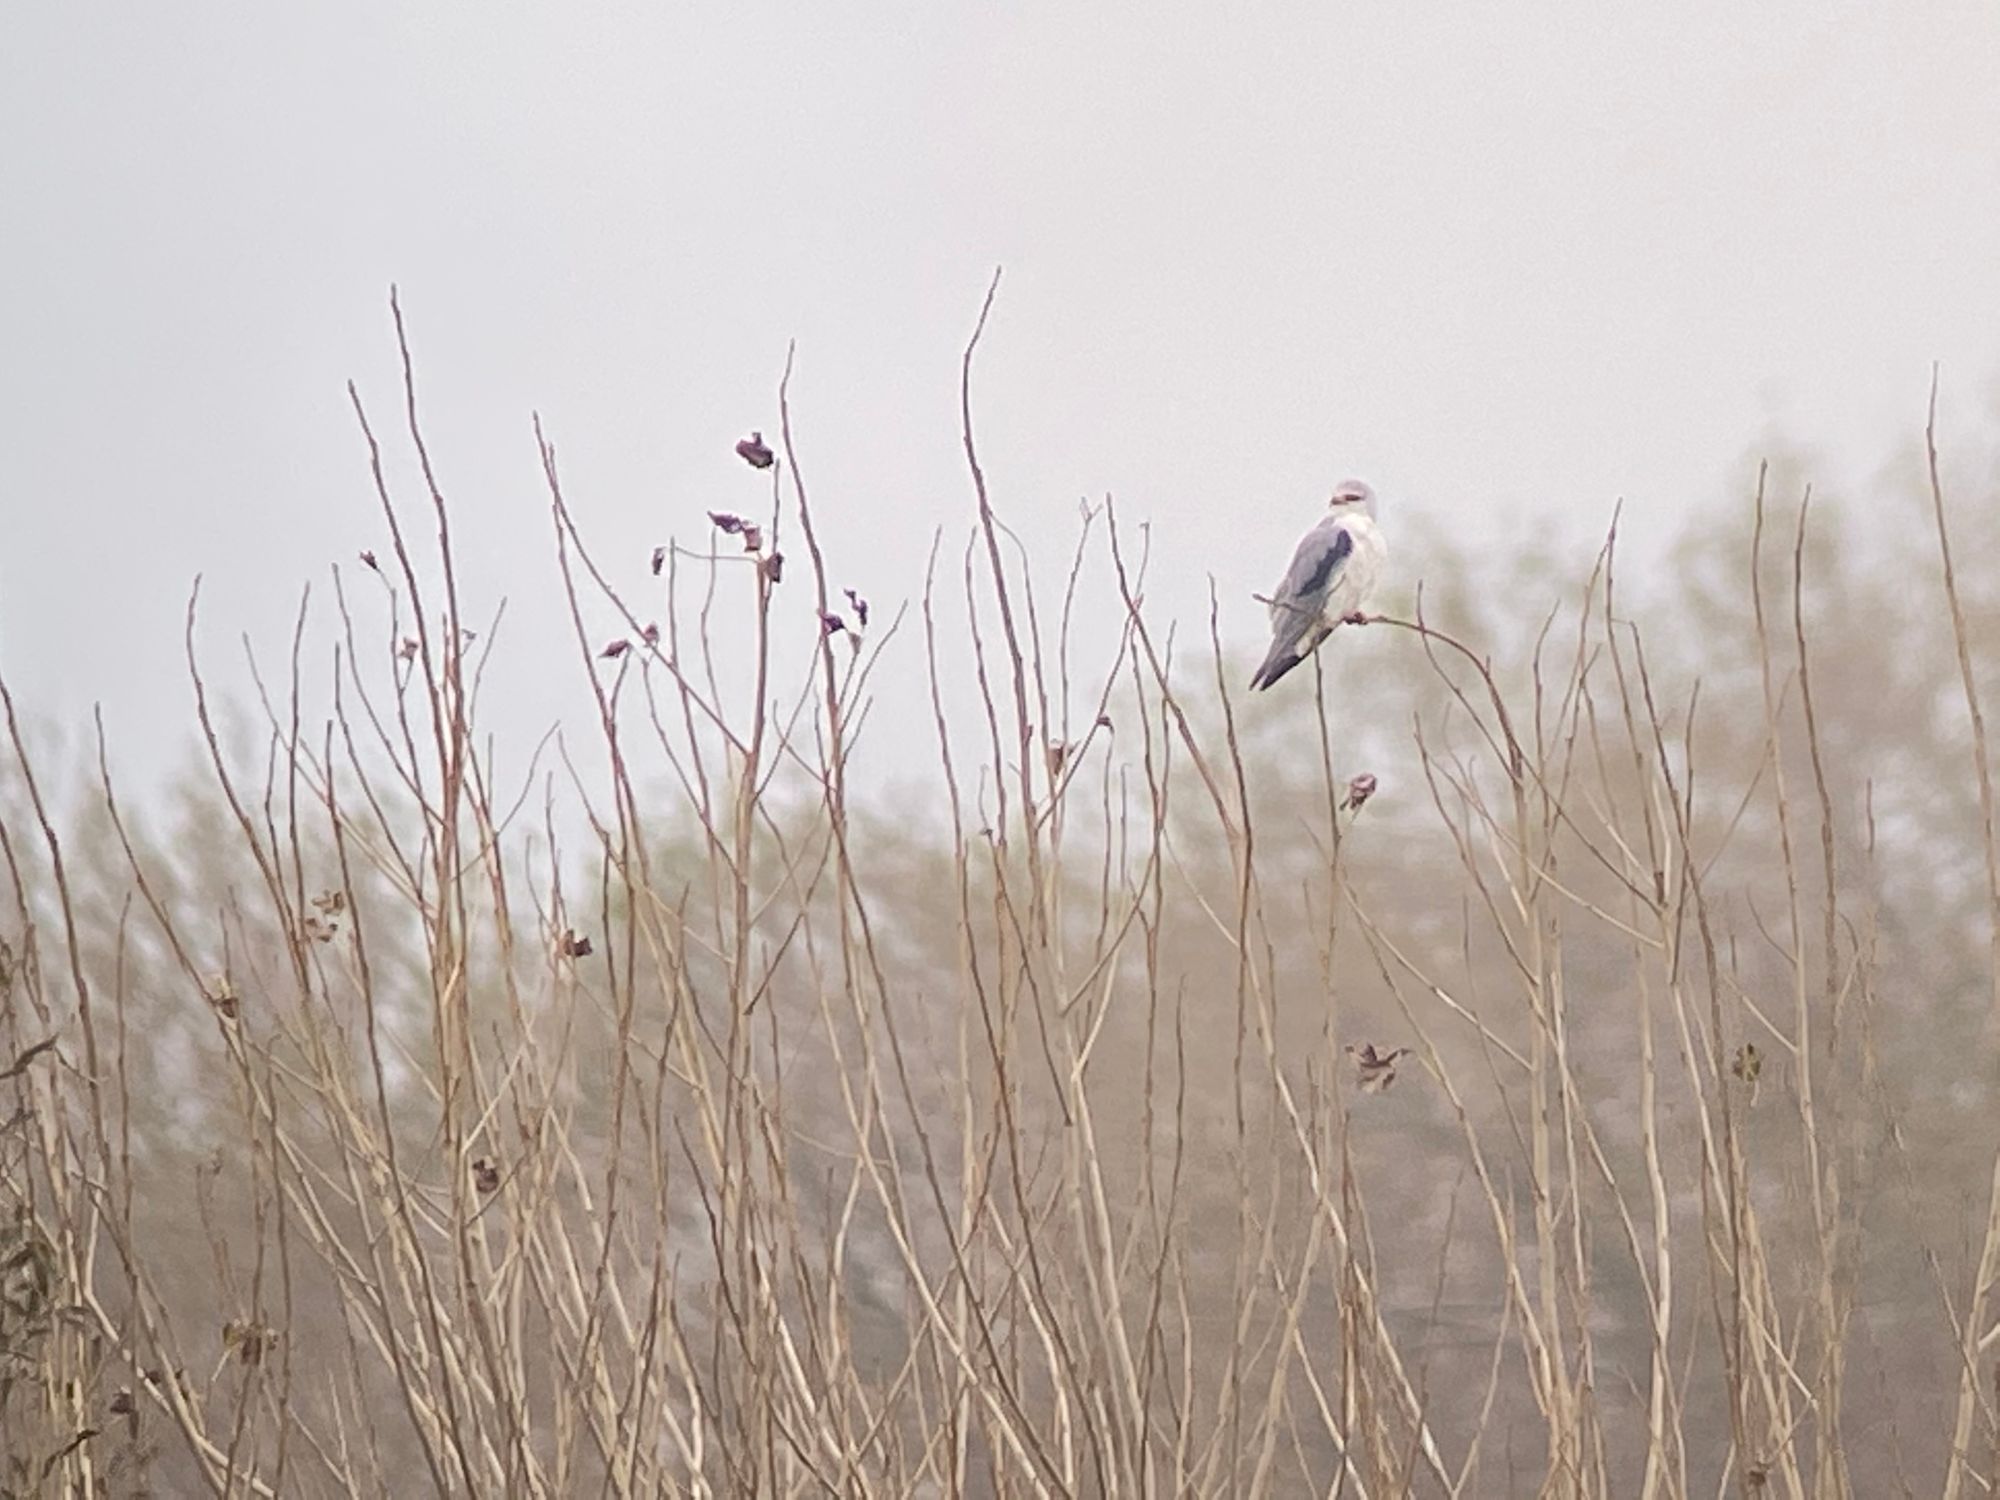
x=1334, y=555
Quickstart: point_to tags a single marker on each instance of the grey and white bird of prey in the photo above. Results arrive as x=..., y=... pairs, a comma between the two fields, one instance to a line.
x=1330, y=580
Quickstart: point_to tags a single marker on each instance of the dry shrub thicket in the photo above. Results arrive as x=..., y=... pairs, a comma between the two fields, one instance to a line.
x=1604, y=1106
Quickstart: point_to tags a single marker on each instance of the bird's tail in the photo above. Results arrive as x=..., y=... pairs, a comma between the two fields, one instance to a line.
x=1283, y=657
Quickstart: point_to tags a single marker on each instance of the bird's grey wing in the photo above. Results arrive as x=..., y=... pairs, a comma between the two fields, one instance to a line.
x=1300, y=600
x=1302, y=595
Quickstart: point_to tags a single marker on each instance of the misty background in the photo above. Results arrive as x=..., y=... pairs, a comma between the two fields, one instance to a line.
x=1511, y=266
x=1521, y=272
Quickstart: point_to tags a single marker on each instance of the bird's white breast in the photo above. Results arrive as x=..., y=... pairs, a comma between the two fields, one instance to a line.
x=1355, y=585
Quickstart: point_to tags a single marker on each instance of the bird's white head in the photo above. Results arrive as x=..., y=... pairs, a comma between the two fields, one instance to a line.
x=1353, y=494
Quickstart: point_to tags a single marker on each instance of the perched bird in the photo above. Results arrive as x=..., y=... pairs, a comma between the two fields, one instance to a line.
x=1331, y=576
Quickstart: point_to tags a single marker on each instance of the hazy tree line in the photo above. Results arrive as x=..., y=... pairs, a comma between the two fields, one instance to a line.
x=1575, y=1074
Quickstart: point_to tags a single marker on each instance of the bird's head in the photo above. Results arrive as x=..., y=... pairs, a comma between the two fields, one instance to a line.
x=1353, y=494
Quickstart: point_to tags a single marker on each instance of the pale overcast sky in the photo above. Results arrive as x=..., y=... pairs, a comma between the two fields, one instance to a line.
x=1508, y=262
